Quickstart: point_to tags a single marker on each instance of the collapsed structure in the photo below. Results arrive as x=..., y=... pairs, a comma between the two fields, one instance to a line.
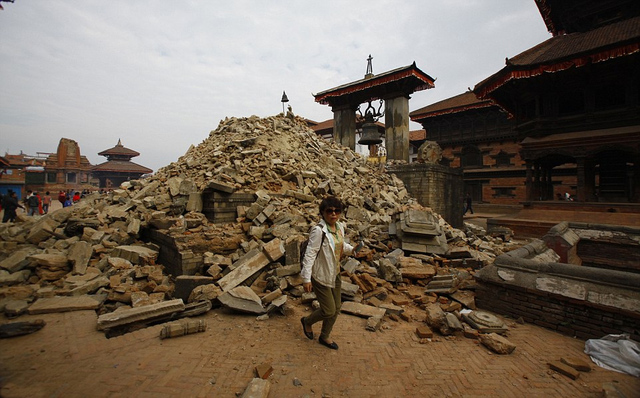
x=223, y=224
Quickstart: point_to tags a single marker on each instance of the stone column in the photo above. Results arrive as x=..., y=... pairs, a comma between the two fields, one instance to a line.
x=396, y=116
x=344, y=126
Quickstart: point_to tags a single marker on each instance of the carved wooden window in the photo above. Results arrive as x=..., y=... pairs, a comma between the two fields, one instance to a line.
x=471, y=156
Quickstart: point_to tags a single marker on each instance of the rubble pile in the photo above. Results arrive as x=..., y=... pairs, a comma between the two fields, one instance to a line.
x=265, y=177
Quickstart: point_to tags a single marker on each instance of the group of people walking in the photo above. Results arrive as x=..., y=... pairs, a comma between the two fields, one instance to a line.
x=34, y=203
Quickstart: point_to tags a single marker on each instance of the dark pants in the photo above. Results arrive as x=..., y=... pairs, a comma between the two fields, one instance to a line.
x=9, y=215
x=330, y=302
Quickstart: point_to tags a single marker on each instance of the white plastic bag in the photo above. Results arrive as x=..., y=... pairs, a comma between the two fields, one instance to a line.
x=615, y=352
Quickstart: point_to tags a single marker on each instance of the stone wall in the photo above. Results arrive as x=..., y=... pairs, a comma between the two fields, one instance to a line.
x=580, y=301
x=435, y=186
x=177, y=262
x=555, y=312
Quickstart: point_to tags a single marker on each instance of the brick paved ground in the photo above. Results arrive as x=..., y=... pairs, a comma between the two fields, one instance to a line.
x=69, y=358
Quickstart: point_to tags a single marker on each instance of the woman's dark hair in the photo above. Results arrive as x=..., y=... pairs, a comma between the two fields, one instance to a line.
x=331, y=201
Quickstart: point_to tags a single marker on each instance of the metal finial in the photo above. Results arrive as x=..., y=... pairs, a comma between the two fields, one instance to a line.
x=369, y=72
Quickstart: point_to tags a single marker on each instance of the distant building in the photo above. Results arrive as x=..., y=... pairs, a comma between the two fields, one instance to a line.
x=21, y=172
x=118, y=168
x=562, y=117
x=65, y=170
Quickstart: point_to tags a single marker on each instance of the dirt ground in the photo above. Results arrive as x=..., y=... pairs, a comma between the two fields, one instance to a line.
x=70, y=358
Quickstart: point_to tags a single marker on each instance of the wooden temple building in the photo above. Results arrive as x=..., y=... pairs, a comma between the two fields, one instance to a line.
x=118, y=168
x=561, y=117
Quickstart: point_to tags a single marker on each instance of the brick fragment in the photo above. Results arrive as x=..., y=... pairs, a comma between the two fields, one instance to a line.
x=424, y=332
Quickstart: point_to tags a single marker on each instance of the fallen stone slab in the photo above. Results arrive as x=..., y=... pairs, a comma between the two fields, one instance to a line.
x=564, y=369
x=20, y=328
x=79, y=256
x=362, y=310
x=498, y=344
x=246, y=266
x=8, y=279
x=577, y=364
x=14, y=308
x=66, y=304
x=17, y=260
x=465, y=297
x=257, y=388
x=139, y=255
x=148, y=313
x=277, y=304
x=242, y=299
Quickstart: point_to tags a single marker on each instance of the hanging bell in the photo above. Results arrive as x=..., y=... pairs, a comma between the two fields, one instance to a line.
x=370, y=134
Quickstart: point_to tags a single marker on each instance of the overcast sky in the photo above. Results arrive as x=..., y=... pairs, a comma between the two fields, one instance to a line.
x=161, y=75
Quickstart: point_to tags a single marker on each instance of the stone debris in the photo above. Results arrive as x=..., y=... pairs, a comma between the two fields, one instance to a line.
x=222, y=225
x=264, y=370
x=564, y=369
x=183, y=327
x=485, y=322
x=496, y=343
x=20, y=328
x=577, y=364
x=257, y=388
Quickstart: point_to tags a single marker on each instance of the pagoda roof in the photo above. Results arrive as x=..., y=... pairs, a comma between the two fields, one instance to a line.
x=567, y=51
x=119, y=149
x=121, y=166
x=459, y=103
x=568, y=16
x=404, y=81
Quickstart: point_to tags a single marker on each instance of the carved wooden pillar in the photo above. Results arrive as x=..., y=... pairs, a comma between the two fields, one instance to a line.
x=529, y=181
x=396, y=120
x=344, y=126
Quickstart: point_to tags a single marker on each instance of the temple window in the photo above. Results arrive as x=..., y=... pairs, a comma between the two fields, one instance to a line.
x=471, y=156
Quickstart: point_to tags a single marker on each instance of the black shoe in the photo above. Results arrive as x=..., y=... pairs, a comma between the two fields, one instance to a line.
x=304, y=329
x=333, y=345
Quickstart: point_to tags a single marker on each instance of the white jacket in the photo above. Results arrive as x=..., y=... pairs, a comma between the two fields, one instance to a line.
x=323, y=268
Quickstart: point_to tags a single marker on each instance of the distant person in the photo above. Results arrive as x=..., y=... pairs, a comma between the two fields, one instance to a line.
x=468, y=202
x=10, y=204
x=25, y=201
x=62, y=197
x=40, y=209
x=76, y=197
x=67, y=202
x=33, y=201
x=46, y=202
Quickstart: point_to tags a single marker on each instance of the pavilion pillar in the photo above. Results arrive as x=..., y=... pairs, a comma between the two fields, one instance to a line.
x=344, y=127
x=396, y=121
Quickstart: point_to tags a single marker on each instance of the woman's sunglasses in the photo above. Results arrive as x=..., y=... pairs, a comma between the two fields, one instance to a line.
x=333, y=210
